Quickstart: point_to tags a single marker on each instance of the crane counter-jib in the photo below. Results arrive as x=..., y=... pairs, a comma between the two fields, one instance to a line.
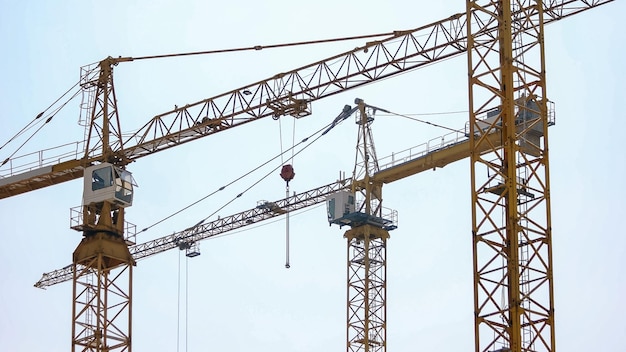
x=285, y=93
x=40, y=178
x=435, y=159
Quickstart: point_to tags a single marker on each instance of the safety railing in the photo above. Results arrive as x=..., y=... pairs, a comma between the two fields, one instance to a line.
x=435, y=144
x=48, y=157
x=42, y=158
x=77, y=223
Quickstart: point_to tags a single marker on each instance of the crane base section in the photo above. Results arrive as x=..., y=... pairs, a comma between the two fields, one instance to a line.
x=102, y=286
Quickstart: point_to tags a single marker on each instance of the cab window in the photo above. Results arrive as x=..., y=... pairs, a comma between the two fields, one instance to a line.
x=101, y=178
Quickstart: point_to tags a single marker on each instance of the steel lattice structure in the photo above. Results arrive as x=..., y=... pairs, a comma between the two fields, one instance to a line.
x=367, y=243
x=102, y=305
x=513, y=289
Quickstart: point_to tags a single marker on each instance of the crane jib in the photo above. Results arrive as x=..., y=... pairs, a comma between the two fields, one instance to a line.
x=410, y=50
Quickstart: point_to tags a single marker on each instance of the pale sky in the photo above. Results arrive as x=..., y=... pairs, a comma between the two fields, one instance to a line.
x=240, y=296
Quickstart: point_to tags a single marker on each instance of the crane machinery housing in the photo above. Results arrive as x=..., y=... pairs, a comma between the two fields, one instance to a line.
x=508, y=152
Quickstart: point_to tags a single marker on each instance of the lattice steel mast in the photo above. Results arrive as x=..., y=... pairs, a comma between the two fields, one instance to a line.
x=513, y=290
x=102, y=264
x=367, y=243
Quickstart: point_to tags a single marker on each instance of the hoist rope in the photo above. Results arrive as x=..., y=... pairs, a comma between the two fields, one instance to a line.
x=186, y=303
x=269, y=173
x=210, y=194
x=292, y=149
x=292, y=162
x=280, y=139
x=238, y=179
x=267, y=223
x=178, y=308
x=293, y=140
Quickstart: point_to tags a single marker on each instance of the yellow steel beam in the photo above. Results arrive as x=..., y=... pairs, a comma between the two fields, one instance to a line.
x=40, y=178
x=435, y=159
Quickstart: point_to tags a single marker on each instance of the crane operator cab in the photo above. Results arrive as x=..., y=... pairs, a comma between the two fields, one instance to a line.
x=107, y=182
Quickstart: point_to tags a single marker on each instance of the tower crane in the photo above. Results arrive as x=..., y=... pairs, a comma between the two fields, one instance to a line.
x=511, y=205
x=186, y=238
x=369, y=223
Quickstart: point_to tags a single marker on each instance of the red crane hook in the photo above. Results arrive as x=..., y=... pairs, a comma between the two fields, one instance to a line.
x=287, y=173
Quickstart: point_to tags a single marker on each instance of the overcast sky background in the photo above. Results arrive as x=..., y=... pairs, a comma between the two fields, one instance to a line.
x=240, y=296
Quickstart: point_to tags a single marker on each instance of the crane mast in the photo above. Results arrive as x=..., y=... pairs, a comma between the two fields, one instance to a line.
x=367, y=241
x=102, y=264
x=367, y=249
x=512, y=245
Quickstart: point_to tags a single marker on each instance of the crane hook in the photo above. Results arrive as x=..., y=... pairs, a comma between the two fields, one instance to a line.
x=287, y=174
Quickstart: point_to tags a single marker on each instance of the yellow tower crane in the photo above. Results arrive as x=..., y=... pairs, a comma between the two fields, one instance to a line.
x=356, y=203
x=503, y=41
